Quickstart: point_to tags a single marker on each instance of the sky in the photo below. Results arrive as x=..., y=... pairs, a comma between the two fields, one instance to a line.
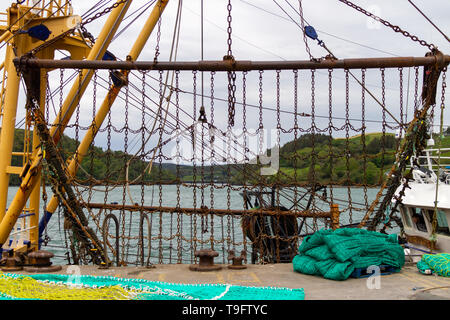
x=261, y=30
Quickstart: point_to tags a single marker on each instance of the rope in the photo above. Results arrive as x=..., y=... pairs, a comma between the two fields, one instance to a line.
x=441, y=132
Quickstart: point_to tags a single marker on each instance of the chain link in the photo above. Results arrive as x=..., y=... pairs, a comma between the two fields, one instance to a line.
x=229, y=29
x=432, y=47
x=383, y=119
x=232, y=74
x=305, y=38
x=250, y=180
x=330, y=131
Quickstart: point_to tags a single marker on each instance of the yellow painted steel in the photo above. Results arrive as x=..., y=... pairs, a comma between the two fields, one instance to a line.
x=111, y=97
x=30, y=180
x=85, y=76
x=8, y=125
x=147, y=29
x=5, y=36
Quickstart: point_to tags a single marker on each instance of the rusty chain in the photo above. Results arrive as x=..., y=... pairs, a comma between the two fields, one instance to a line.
x=229, y=238
x=414, y=38
x=232, y=74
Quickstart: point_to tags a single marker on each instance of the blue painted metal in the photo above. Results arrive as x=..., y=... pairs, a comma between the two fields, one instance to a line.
x=44, y=221
x=362, y=272
x=311, y=32
x=40, y=32
x=109, y=56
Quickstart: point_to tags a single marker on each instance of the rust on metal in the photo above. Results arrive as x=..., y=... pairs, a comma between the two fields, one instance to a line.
x=236, y=261
x=335, y=213
x=220, y=212
x=11, y=262
x=430, y=244
x=235, y=65
x=39, y=262
x=206, y=261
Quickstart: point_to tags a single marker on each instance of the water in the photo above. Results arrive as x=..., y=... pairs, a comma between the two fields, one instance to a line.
x=175, y=236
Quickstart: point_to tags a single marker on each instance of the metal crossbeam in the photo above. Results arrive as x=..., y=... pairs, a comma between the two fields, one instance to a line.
x=232, y=65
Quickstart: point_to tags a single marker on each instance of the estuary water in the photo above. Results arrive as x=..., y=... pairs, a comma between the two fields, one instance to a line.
x=173, y=237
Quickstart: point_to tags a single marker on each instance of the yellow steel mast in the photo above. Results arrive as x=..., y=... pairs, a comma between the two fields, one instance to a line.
x=58, y=18
x=108, y=101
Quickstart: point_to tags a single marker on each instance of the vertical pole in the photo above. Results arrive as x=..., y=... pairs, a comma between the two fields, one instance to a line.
x=334, y=209
x=8, y=125
x=36, y=192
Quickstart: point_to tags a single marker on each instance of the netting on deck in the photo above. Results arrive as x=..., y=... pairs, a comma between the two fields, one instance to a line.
x=76, y=287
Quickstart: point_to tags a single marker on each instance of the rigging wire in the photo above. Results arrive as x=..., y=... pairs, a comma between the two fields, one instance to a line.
x=276, y=55
x=144, y=8
x=100, y=4
x=434, y=25
x=6, y=41
x=236, y=36
x=237, y=167
x=323, y=32
x=353, y=76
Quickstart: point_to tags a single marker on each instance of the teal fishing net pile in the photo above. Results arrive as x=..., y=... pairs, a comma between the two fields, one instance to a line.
x=435, y=263
x=83, y=287
x=336, y=254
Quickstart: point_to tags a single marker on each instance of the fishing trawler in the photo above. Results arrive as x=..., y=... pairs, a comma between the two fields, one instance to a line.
x=425, y=208
x=172, y=166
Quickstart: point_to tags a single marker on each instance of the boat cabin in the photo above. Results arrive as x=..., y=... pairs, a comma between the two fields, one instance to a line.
x=419, y=210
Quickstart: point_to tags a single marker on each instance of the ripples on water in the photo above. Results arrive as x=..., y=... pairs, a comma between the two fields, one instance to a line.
x=168, y=225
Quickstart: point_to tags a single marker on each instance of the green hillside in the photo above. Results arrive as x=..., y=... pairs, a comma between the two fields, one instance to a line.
x=98, y=163
x=339, y=161
x=308, y=159
x=358, y=161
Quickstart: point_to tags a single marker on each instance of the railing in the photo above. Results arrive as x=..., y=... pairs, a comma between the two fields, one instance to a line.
x=430, y=157
x=3, y=18
x=19, y=235
x=438, y=166
x=55, y=8
x=42, y=8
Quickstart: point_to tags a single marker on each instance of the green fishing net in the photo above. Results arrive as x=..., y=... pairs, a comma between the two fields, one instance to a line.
x=335, y=254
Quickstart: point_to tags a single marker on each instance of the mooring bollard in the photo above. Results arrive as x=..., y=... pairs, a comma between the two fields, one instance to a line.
x=206, y=262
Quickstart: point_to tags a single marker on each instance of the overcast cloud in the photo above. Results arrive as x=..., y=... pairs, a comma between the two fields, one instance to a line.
x=262, y=31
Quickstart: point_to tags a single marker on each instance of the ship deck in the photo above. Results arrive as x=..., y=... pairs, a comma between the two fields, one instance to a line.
x=408, y=284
